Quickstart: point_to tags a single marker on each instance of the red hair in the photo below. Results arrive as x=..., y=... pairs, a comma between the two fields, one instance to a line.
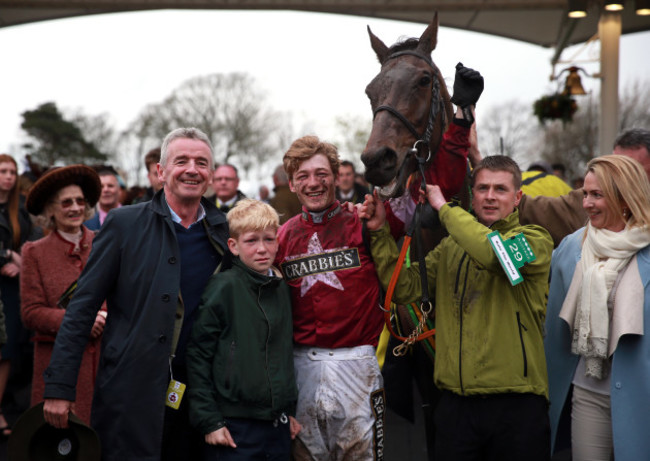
x=12, y=202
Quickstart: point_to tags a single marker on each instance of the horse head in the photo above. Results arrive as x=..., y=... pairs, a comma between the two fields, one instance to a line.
x=411, y=108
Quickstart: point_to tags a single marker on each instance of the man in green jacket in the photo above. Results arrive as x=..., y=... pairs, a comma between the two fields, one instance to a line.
x=490, y=361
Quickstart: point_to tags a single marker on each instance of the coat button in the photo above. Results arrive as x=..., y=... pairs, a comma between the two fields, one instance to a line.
x=165, y=298
x=618, y=385
x=172, y=260
x=162, y=338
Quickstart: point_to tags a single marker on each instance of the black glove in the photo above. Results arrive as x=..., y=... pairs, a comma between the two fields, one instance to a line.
x=468, y=86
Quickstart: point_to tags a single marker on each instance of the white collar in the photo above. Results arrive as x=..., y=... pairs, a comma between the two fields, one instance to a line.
x=177, y=219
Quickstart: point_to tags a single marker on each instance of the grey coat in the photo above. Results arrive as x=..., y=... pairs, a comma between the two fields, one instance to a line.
x=135, y=266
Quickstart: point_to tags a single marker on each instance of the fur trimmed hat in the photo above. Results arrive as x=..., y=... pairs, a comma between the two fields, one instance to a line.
x=56, y=179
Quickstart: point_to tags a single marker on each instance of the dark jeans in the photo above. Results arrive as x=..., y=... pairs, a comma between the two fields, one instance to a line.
x=500, y=427
x=256, y=440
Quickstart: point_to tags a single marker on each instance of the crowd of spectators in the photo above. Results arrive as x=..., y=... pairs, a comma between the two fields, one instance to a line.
x=89, y=265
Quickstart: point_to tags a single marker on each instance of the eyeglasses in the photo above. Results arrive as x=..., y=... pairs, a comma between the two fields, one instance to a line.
x=67, y=203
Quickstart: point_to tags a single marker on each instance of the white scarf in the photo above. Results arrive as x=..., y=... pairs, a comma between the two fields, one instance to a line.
x=604, y=254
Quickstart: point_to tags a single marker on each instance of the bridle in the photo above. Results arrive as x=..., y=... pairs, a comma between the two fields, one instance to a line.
x=421, y=141
x=437, y=106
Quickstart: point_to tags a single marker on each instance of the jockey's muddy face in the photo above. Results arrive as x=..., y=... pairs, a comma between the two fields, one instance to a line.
x=314, y=183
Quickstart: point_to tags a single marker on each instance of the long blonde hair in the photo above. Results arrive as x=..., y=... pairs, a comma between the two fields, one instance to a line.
x=624, y=182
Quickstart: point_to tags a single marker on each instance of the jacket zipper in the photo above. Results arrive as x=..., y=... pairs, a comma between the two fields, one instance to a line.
x=460, y=316
x=266, y=349
x=523, y=347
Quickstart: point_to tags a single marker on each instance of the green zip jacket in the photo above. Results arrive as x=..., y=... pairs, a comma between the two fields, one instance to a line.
x=489, y=334
x=240, y=355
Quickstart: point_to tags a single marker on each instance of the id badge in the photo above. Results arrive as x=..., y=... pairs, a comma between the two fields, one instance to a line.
x=175, y=393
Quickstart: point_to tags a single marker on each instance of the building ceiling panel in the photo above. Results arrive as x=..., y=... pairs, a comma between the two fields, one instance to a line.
x=541, y=22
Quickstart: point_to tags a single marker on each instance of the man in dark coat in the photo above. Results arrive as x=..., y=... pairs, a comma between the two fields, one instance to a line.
x=144, y=256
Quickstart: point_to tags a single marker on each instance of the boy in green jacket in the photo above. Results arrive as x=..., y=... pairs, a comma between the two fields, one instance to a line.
x=242, y=389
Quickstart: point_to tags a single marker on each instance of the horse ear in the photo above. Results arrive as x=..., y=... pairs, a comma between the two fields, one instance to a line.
x=429, y=38
x=381, y=50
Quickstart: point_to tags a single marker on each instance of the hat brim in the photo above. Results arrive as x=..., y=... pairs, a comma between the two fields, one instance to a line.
x=33, y=422
x=56, y=179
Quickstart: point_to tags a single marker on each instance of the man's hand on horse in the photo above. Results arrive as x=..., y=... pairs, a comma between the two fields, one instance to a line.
x=434, y=196
x=373, y=211
x=468, y=86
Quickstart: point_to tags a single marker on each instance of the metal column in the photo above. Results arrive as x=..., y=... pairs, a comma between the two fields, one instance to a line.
x=609, y=31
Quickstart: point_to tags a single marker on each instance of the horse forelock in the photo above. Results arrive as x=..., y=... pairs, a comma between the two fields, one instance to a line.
x=408, y=46
x=409, y=43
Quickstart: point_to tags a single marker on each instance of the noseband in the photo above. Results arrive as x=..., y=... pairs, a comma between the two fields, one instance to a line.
x=436, y=106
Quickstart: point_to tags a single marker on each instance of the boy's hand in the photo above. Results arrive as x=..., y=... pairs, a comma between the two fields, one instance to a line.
x=220, y=437
x=373, y=210
x=294, y=427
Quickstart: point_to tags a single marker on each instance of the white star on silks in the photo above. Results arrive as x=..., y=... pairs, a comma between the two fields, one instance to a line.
x=314, y=247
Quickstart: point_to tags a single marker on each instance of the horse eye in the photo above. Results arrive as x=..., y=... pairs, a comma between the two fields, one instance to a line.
x=425, y=81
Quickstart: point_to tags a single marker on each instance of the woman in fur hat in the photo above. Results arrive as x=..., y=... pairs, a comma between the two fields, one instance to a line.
x=50, y=267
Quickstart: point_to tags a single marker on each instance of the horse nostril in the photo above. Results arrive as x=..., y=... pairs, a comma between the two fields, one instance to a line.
x=368, y=159
x=380, y=165
x=387, y=159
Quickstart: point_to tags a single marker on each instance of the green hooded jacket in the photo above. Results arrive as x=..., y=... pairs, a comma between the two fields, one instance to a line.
x=240, y=355
x=489, y=334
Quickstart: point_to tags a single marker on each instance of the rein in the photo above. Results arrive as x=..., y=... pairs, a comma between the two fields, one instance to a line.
x=426, y=307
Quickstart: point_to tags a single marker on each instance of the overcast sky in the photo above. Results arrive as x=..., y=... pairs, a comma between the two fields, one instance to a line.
x=312, y=64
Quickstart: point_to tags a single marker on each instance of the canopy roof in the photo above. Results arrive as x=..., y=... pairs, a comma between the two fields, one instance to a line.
x=541, y=22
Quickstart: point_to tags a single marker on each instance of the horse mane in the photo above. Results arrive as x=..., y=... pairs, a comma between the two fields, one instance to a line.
x=403, y=44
